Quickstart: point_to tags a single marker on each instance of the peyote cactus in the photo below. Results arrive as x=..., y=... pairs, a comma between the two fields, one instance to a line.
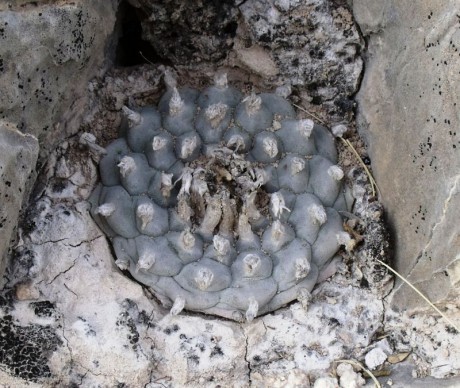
x=222, y=204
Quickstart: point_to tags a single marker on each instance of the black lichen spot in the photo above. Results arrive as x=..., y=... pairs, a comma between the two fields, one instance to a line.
x=43, y=309
x=143, y=318
x=23, y=260
x=127, y=321
x=333, y=322
x=216, y=351
x=25, y=350
x=194, y=359
x=174, y=328
x=59, y=185
x=266, y=38
x=6, y=301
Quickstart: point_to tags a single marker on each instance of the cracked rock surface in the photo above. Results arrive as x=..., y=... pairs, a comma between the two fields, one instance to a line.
x=43, y=45
x=19, y=155
x=81, y=322
x=110, y=330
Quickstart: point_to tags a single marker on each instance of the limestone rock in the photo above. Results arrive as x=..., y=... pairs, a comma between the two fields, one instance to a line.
x=18, y=155
x=48, y=53
x=408, y=114
x=348, y=377
x=375, y=358
x=315, y=46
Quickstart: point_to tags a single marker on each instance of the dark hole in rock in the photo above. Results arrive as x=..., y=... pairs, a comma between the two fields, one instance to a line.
x=131, y=49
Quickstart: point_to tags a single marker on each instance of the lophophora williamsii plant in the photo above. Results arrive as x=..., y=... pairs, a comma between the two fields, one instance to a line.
x=220, y=203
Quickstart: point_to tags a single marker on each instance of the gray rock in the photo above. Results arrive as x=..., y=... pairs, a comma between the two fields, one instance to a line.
x=408, y=113
x=314, y=45
x=18, y=155
x=48, y=53
x=402, y=377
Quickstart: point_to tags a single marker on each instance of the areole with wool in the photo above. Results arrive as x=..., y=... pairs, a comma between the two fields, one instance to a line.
x=222, y=204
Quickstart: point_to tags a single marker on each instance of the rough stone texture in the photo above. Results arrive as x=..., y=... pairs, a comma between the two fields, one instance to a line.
x=25, y=348
x=408, y=114
x=434, y=344
x=18, y=155
x=402, y=377
x=313, y=45
x=112, y=331
x=187, y=32
x=48, y=52
x=47, y=290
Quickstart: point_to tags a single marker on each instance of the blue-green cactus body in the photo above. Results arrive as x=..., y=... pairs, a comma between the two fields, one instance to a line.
x=220, y=204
